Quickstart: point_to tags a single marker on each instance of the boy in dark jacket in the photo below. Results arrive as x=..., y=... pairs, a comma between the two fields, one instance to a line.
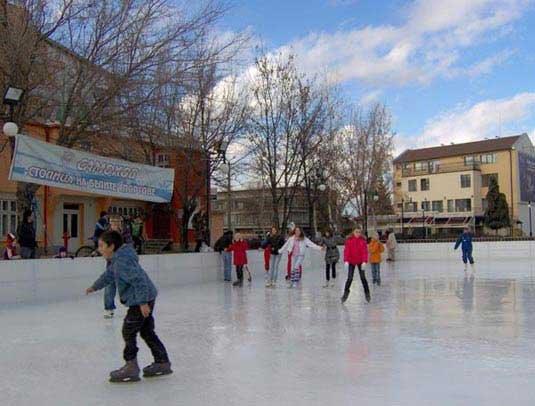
x=465, y=241
x=221, y=246
x=138, y=293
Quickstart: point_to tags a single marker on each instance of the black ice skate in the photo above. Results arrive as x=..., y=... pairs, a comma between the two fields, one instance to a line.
x=128, y=373
x=344, y=297
x=157, y=369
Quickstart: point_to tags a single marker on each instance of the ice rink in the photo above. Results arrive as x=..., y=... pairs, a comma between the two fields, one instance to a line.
x=430, y=336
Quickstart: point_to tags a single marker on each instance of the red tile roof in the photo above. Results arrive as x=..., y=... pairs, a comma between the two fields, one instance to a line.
x=491, y=145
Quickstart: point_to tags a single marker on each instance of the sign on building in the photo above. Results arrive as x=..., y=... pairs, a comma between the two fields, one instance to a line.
x=526, y=166
x=35, y=161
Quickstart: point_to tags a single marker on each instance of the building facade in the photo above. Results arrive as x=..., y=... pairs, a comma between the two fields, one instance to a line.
x=251, y=211
x=440, y=190
x=61, y=212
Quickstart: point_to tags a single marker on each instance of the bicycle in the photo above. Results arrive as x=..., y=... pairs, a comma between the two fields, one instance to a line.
x=86, y=251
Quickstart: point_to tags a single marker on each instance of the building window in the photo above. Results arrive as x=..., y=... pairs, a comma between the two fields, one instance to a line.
x=485, y=179
x=126, y=211
x=451, y=206
x=162, y=160
x=420, y=166
x=466, y=181
x=424, y=184
x=411, y=206
x=463, y=205
x=426, y=205
x=469, y=160
x=8, y=217
x=434, y=166
x=412, y=185
x=438, y=206
x=488, y=158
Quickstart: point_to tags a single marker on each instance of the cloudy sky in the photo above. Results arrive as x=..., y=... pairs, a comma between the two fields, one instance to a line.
x=449, y=70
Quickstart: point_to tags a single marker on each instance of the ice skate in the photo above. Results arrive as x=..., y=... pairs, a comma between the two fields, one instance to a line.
x=368, y=297
x=128, y=373
x=238, y=283
x=326, y=285
x=108, y=314
x=157, y=369
x=344, y=297
x=268, y=284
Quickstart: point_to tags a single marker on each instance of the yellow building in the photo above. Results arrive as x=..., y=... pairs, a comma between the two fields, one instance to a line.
x=441, y=189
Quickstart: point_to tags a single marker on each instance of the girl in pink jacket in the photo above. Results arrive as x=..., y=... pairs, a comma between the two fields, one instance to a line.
x=356, y=255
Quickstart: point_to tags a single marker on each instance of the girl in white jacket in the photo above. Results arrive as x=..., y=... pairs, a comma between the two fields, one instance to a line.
x=297, y=245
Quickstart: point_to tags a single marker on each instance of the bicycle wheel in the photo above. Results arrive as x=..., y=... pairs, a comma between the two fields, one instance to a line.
x=85, y=251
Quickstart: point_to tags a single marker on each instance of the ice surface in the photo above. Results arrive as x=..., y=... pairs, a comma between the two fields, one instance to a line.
x=429, y=337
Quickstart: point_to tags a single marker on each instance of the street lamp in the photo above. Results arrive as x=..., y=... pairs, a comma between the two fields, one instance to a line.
x=424, y=229
x=12, y=98
x=218, y=149
x=530, y=223
x=375, y=197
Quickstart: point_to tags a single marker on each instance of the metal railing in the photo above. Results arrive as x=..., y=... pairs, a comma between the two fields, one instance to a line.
x=438, y=168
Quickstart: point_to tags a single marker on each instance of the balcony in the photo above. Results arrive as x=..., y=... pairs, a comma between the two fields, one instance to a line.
x=437, y=168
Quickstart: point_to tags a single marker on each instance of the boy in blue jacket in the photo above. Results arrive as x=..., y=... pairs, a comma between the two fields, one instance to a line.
x=465, y=241
x=138, y=293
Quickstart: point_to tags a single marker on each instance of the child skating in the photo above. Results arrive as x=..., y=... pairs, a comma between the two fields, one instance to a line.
x=296, y=246
x=275, y=243
x=138, y=293
x=332, y=256
x=465, y=241
x=239, y=248
x=375, y=249
x=355, y=256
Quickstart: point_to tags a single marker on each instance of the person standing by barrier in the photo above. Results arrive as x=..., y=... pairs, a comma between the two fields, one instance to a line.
x=332, y=256
x=356, y=256
x=465, y=241
x=10, y=250
x=26, y=236
x=221, y=246
x=391, y=245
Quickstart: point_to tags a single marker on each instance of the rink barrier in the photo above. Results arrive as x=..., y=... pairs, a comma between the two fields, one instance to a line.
x=55, y=280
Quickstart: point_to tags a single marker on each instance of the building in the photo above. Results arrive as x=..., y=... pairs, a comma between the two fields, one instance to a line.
x=252, y=215
x=61, y=211
x=441, y=189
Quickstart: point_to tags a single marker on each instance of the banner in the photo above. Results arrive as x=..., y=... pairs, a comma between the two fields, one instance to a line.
x=35, y=161
x=526, y=167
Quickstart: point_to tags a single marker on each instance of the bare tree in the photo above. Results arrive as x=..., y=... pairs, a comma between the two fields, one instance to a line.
x=80, y=62
x=288, y=120
x=363, y=152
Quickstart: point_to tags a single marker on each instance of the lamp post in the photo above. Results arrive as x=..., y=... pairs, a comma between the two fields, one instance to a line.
x=12, y=97
x=219, y=150
x=226, y=168
x=424, y=229
x=402, y=217
x=530, y=221
x=375, y=197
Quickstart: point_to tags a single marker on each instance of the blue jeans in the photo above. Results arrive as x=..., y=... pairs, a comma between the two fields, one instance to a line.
x=467, y=256
x=274, y=267
x=376, y=273
x=109, y=296
x=227, y=265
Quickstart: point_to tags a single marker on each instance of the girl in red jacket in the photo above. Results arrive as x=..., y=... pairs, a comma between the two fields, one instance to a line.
x=239, y=248
x=356, y=255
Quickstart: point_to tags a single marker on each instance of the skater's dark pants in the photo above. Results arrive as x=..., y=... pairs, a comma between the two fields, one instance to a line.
x=350, y=275
x=328, y=268
x=134, y=323
x=239, y=272
x=467, y=256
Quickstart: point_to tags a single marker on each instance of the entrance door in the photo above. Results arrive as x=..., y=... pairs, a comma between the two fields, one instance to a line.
x=71, y=225
x=161, y=227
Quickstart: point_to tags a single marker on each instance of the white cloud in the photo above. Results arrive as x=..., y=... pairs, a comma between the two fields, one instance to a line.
x=488, y=118
x=428, y=44
x=370, y=98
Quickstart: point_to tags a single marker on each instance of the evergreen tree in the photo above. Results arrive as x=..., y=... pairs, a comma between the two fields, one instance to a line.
x=497, y=212
x=383, y=205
